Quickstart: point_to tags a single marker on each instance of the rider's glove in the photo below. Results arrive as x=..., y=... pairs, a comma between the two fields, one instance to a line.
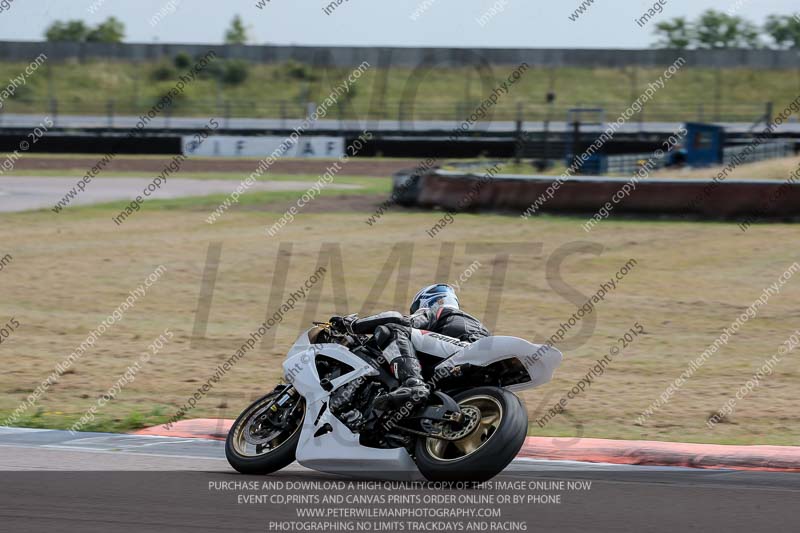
x=343, y=324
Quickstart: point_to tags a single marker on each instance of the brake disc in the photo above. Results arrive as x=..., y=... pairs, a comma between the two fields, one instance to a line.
x=253, y=431
x=472, y=416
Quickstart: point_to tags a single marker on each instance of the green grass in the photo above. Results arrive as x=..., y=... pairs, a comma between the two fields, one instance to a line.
x=362, y=181
x=89, y=87
x=268, y=199
x=102, y=423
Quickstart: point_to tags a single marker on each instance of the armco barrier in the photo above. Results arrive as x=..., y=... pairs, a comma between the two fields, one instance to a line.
x=729, y=198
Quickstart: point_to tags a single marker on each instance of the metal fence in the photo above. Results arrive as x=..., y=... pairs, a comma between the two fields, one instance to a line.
x=401, y=112
x=750, y=153
x=348, y=56
x=629, y=164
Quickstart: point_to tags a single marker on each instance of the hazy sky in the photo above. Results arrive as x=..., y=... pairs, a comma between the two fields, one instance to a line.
x=521, y=23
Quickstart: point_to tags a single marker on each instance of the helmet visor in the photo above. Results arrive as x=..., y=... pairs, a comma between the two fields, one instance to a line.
x=443, y=300
x=428, y=296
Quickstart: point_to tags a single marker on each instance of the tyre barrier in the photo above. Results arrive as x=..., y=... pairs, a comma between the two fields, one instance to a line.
x=463, y=191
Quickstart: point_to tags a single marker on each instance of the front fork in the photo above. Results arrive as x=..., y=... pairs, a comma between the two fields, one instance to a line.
x=287, y=394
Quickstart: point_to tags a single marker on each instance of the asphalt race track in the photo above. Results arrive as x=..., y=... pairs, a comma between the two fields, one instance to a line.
x=54, y=481
x=26, y=193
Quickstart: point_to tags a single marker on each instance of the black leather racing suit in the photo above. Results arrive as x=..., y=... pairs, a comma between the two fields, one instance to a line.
x=447, y=321
x=399, y=351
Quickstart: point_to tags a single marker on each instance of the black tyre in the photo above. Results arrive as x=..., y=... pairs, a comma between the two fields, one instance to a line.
x=256, y=444
x=485, y=451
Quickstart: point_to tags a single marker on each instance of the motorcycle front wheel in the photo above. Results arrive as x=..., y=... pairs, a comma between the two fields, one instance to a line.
x=264, y=438
x=487, y=449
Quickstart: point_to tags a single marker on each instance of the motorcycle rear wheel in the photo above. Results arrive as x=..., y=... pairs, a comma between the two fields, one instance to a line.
x=279, y=446
x=488, y=449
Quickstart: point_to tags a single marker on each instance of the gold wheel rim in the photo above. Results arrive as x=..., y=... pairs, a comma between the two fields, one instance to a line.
x=241, y=445
x=491, y=415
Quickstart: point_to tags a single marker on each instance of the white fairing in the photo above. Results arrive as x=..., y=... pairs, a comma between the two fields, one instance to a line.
x=539, y=360
x=339, y=450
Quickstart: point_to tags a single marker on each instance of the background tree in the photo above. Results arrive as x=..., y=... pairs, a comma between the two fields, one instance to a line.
x=784, y=30
x=110, y=31
x=716, y=29
x=675, y=33
x=71, y=30
x=237, y=33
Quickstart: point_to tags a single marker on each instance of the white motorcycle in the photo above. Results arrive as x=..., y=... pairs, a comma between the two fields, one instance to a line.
x=324, y=416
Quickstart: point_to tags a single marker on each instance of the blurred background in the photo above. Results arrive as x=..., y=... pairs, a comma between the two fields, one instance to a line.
x=183, y=134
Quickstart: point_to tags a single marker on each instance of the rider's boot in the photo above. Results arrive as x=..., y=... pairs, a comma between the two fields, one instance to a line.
x=412, y=390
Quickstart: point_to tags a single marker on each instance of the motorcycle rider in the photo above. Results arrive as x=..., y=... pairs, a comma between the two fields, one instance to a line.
x=435, y=308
